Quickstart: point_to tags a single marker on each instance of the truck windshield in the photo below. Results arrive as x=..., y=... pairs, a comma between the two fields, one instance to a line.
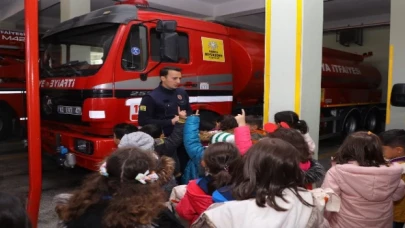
x=77, y=52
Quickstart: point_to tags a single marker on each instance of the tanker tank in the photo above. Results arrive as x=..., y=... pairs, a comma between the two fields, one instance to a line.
x=248, y=65
x=348, y=71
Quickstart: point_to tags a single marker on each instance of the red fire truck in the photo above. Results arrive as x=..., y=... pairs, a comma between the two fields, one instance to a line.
x=12, y=83
x=97, y=67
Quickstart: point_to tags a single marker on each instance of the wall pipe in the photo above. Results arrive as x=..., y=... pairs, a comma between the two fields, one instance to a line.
x=379, y=24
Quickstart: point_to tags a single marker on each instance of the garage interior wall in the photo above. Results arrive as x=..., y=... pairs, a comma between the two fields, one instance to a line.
x=376, y=40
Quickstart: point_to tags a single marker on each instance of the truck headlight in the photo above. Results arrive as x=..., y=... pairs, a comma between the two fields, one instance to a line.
x=84, y=146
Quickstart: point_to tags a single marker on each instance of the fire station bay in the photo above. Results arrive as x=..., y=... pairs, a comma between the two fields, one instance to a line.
x=202, y=113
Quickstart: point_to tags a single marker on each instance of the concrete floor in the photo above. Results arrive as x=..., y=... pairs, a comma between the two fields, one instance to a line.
x=14, y=176
x=55, y=180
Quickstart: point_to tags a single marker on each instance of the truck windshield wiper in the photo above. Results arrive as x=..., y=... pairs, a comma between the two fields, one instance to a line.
x=45, y=73
x=71, y=65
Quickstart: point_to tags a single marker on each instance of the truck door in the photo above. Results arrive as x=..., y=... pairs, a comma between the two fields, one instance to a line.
x=139, y=55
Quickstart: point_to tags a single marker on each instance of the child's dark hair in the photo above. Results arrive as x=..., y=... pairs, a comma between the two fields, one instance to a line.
x=393, y=138
x=220, y=160
x=296, y=139
x=228, y=123
x=219, y=119
x=122, y=129
x=12, y=212
x=292, y=119
x=131, y=201
x=363, y=147
x=206, y=125
x=153, y=130
x=254, y=120
x=269, y=167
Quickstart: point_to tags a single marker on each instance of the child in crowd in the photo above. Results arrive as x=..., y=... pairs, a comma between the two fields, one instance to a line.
x=394, y=151
x=208, y=129
x=137, y=139
x=314, y=171
x=365, y=182
x=168, y=145
x=195, y=148
x=268, y=192
x=255, y=124
x=12, y=212
x=126, y=194
x=218, y=161
x=218, y=123
x=225, y=133
x=122, y=129
x=293, y=121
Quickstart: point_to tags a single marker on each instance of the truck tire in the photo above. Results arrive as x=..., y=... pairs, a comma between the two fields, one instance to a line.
x=350, y=125
x=6, y=125
x=373, y=122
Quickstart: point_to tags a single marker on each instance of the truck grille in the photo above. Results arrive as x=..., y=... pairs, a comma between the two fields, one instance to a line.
x=66, y=105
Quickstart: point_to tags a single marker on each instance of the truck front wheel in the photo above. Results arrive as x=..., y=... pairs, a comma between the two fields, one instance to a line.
x=6, y=125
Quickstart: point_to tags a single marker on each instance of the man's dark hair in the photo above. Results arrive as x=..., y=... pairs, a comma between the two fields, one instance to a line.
x=165, y=70
x=122, y=129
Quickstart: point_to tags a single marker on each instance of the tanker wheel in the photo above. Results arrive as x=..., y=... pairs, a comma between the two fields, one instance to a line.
x=208, y=119
x=372, y=122
x=350, y=126
x=6, y=125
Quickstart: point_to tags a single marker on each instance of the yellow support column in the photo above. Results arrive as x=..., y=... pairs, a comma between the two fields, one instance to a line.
x=293, y=60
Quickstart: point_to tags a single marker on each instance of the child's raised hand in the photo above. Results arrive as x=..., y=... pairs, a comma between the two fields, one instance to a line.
x=182, y=113
x=240, y=119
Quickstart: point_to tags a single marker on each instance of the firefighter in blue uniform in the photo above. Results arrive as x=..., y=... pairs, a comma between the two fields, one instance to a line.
x=161, y=105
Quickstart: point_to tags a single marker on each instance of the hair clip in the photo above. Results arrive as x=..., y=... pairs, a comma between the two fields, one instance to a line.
x=144, y=177
x=103, y=169
x=226, y=168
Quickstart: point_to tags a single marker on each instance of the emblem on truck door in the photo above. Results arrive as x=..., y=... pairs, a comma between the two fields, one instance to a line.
x=213, y=49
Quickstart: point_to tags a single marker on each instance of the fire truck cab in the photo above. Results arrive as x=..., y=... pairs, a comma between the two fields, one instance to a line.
x=97, y=67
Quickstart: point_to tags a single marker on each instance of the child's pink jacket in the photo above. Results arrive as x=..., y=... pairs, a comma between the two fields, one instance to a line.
x=367, y=194
x=243, y=140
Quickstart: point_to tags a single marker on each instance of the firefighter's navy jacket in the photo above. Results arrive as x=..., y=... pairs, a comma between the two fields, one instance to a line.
x=160, y=106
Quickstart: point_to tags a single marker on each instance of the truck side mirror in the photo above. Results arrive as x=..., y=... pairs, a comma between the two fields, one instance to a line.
x=169, y=46
x=166, y=26
x=398, y=95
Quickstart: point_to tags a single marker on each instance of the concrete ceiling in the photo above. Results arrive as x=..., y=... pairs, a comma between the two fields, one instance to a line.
x=243, y=13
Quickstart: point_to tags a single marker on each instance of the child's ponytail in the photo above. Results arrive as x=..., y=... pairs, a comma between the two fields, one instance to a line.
x=165, y=169
x=219, y=160
x=302, y=126
x=292, y=119
x=220, y=179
